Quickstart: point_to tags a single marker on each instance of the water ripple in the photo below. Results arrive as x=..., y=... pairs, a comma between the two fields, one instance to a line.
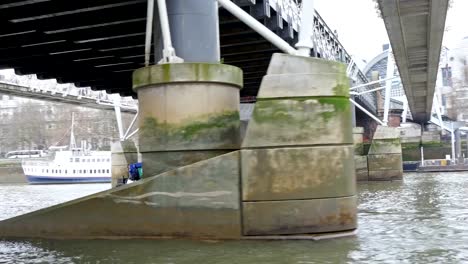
x=422, y=219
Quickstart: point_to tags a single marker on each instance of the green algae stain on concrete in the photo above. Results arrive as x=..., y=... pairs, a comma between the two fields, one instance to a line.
x=339, y=104
x=303, y=120
x=226, y=120
x=221, y=130
x=341, y=90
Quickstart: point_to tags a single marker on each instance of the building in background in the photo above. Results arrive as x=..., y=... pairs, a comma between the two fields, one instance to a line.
x=455, y=81
x=34, y=124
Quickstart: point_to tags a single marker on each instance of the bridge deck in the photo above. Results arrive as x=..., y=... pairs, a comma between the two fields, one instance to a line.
x=415, y=29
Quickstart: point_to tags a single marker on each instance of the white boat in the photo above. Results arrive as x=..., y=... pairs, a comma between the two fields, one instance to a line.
x=76, y=165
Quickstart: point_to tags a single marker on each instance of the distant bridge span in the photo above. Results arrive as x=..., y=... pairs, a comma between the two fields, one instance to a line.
x=415, y=29
x=61, y=97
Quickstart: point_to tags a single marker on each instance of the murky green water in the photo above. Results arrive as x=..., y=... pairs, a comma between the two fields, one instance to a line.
x=423, y=219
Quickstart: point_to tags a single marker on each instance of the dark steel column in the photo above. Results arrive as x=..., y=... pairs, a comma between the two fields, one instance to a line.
x=194, y=30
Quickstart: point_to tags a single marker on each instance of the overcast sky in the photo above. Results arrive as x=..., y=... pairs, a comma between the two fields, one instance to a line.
x=362, y=32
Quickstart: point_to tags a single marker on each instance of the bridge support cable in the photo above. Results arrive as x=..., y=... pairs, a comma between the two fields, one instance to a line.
x=126, y=135
x=355, y=91
x=149, y=31
x=388, y=84
x=118, y=114
x=306, y=30
x=169, y=53
x=367, y=112
x=405, y=111
x=258, y=27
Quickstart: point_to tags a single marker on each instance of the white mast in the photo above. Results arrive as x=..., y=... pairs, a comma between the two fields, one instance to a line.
x=72, y=135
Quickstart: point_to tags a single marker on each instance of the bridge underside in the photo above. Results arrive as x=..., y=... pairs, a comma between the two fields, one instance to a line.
x=100, y=43
x=415, y=29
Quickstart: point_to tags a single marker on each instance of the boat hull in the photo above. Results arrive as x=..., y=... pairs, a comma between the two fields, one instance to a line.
x=52, y=179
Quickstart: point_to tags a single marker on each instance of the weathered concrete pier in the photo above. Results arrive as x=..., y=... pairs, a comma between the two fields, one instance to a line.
x=284, y=181
x=293, y=174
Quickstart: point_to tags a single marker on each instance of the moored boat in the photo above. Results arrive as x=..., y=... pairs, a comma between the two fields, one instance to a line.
x=75, y=165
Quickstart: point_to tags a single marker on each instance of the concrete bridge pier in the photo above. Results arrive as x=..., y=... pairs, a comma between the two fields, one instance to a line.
x=188, y=112
x=294, y=175
x=360, y=156
x=297, y=155
x=385, y=155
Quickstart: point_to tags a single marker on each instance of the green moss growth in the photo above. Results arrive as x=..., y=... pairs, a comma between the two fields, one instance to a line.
x=340, y=104
x=206, y=129
x=341, y=90
x=297, y=111
x=218, y=122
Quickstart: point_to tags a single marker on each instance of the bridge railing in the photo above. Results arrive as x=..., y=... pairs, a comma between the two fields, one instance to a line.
x=51, y=87
x=325, y=41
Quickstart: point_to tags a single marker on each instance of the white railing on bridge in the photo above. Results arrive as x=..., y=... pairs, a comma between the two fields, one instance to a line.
x=57, y=91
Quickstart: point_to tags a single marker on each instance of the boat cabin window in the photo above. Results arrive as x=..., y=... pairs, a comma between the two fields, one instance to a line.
x=107, y=170
x=77, y=159
x=80, y=171
x=94, y=160
x=73, y=171
x=65, y=171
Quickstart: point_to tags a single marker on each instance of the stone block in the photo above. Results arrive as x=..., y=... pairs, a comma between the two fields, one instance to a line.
x=358, y=130
x=431, y=137
x=385, y=175
x=357, y=138
x=297, y=173
x=360, y=162
x=158, y=162
x=384, y=146
x=283, y=63
x=201, y=200
x=306, y=121
x=304, y=85
x=383, y=132
x=299, y=216
x=362, y=175
x=362, y=171
x=385, y=162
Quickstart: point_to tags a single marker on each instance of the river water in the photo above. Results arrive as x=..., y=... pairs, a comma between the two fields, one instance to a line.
x=423, y=219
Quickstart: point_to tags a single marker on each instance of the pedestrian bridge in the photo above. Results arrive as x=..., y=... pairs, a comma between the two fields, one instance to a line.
x=99, y=44
x=415, y=29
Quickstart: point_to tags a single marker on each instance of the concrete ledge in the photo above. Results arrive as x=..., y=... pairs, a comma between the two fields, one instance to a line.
x=187, y=72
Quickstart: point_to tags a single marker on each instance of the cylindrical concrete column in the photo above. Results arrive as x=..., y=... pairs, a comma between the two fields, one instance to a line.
x=188, y=112
x=194, y=29
x=297, y=156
